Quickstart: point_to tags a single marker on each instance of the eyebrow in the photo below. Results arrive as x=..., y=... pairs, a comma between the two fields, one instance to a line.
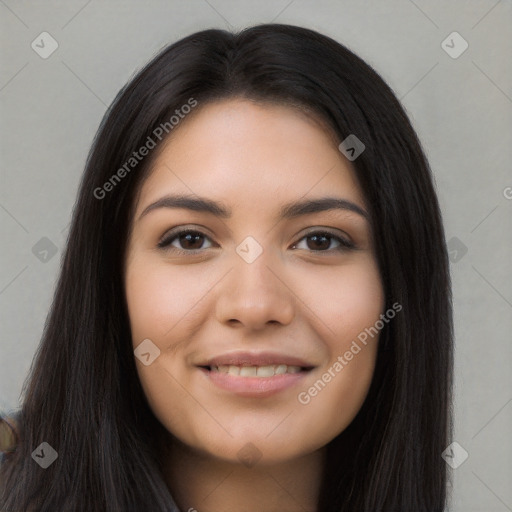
x=288, y=211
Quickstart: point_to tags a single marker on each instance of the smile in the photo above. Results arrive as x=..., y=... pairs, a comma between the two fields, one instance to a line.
x=256, y=371
x=254, y=381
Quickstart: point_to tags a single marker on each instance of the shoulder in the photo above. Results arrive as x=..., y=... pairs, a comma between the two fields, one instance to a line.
x=9, y=435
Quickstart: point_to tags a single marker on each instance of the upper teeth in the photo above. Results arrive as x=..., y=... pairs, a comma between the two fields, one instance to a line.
x=256, y=371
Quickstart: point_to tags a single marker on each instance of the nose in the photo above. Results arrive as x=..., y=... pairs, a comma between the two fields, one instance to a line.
x=256, y=294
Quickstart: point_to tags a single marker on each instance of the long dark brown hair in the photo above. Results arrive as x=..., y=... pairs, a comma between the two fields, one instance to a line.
x=83, y=396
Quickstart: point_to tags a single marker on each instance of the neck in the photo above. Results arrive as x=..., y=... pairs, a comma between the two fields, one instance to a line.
x=202, y=483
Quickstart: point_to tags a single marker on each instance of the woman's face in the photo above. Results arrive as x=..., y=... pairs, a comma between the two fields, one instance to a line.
x=248, y=319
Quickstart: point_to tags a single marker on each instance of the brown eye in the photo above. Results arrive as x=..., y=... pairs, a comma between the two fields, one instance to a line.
x=188, y=240
x=320, y=241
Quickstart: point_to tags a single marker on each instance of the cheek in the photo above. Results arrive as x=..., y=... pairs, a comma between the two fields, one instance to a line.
x=160, y=296
x=351, y=309
x=160, y=302
x=349, y=301
x=163, y=306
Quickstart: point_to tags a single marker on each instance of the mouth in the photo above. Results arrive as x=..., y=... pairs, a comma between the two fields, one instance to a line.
x=255, y=375
x=257, y=371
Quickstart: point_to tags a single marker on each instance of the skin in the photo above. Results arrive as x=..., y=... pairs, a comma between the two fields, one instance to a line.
x=292, y=299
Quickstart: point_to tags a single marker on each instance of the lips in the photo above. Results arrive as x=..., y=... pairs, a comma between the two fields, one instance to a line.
x=255, y=375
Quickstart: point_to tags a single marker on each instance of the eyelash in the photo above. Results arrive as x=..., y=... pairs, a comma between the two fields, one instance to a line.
x=165, y=244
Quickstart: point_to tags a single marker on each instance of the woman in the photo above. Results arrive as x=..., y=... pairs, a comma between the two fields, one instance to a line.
x=260, y=368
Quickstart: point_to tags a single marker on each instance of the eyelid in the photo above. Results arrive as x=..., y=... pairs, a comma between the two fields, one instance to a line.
x=335, y=232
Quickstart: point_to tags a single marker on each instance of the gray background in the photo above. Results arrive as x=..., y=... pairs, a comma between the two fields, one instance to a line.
x=461, y=108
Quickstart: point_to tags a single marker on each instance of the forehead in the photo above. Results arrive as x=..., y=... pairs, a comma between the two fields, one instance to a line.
x=251, y=154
